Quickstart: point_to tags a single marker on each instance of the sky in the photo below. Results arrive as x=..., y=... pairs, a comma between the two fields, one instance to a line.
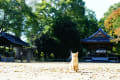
x=100, y=6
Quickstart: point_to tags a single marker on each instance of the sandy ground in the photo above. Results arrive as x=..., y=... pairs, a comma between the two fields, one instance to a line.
x=59, y=71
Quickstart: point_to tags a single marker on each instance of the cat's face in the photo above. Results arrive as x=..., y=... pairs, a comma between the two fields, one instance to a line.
x=75, y=54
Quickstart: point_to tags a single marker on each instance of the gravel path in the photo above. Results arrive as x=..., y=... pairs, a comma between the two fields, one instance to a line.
x=59, y=71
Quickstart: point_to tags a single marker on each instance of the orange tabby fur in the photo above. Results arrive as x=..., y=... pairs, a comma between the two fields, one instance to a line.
x=74, y=61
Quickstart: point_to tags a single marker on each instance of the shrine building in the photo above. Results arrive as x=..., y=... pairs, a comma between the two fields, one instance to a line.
x=99, y=46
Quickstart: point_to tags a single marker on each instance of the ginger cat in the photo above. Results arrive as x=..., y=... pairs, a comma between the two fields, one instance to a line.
x=74, y=62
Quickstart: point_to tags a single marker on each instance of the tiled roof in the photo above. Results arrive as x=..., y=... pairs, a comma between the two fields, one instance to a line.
x=13, y=39
x=94, y=38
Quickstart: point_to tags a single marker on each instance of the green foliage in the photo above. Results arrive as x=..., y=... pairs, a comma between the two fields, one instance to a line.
x=106, y=14
x=56, y=26
x=13, y=17
x=101, y=23
x=116, y=49
x=42, y=54
x=112, y=8
x=52, y=56
x=18, y=17
x=111, y=24
x=65, y=30
x=63, y=24
x=45, y=44
x=91, y=24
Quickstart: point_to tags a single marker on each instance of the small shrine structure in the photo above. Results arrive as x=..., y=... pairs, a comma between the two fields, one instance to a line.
x=7, y=43
x=99, y=46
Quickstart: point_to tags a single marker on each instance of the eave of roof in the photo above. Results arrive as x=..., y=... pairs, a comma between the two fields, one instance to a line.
x=13, y=39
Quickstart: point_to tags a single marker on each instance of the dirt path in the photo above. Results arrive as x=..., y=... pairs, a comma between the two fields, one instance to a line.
x=59, y=71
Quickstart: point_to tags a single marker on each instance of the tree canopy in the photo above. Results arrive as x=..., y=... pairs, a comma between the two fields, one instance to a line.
x=17, y=16
x=107, y=14
x=111, y=8
x=112, y=23
x=54, y=26
x=64, y=23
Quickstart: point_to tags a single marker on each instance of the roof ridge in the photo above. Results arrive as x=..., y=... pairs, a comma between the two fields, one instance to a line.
x=100, y=29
